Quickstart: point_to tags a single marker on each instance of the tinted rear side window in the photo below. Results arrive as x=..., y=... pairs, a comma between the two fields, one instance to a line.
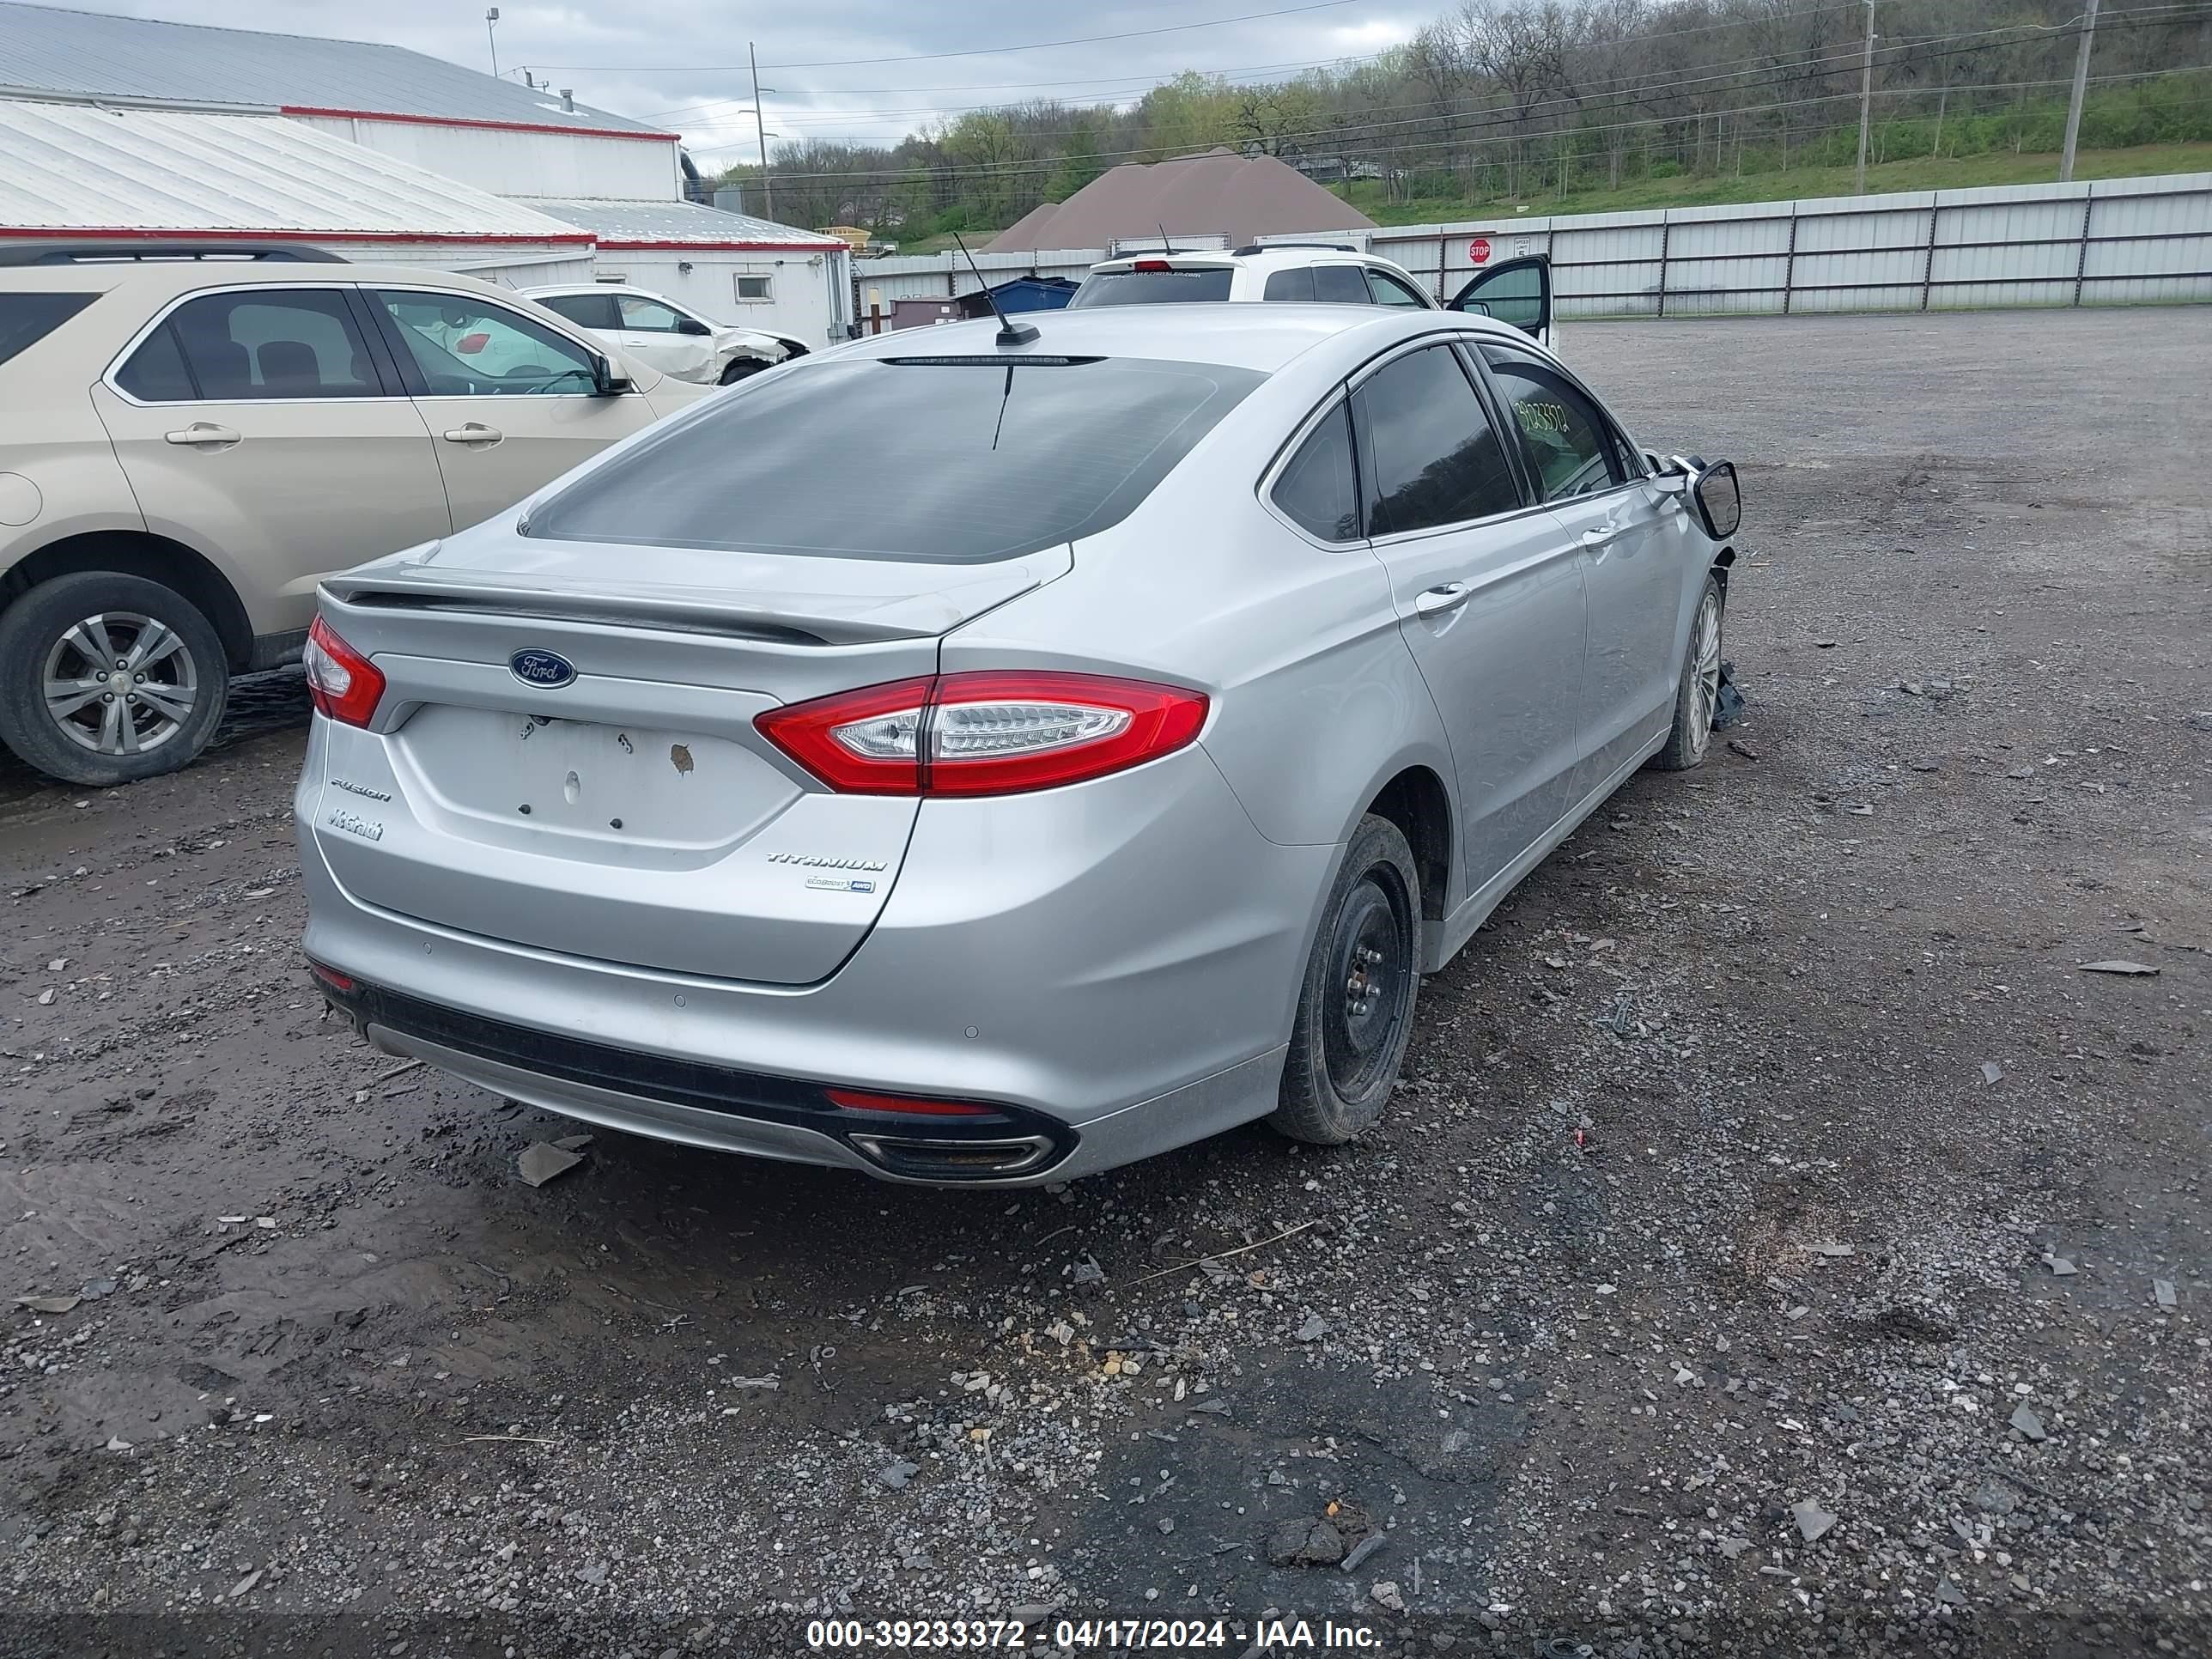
x=28, y=318
x=1316, y=488
x=1340, y=285
x=946, y=462
x=585, y=310
x=1295, y=284
x=1436, y=459
x=1151, y=287
x=256, y=343
x=156, y=372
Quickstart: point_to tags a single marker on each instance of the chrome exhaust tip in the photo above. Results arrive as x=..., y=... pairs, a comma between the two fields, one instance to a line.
x=926, y=1159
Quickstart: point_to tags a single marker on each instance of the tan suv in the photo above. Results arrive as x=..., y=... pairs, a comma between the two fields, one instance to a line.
x=191, y=436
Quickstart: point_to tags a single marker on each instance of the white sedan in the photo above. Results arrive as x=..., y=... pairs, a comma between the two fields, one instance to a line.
x=658, y=332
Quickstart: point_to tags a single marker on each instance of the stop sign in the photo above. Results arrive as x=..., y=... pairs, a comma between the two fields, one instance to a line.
x=1478, y=249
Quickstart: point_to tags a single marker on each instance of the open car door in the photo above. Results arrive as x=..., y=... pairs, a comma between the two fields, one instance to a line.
x=1518, y=292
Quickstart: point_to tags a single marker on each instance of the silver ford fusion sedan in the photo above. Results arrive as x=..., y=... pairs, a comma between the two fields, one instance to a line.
x=993, y=755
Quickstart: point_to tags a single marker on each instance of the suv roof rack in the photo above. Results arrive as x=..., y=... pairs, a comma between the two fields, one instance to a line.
x=1179, y=241
x=136, y=252
x=1269, y=248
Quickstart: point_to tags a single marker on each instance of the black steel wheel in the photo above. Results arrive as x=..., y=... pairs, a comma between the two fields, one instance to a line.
x=1356, y=1003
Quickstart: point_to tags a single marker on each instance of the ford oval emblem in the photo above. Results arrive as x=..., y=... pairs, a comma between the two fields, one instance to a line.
x=545, y=669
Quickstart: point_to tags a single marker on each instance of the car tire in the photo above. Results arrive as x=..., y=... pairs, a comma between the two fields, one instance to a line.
x=740, y=368
x=1356, y=1002
x=1697, y=691
x=157, y=720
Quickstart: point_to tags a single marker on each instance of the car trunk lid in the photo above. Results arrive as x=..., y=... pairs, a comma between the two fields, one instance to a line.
x=618, y=803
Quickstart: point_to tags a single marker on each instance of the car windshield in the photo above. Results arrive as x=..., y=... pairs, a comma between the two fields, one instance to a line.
x=1152, y=288
x=944, y=459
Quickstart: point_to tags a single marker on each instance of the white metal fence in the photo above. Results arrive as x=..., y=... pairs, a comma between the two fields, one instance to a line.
x=2104, y=242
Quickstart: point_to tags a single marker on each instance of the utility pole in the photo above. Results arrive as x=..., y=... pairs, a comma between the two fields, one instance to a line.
x=760, y=125
x=2081, y=88
x=491, y=35
x=1866, y=96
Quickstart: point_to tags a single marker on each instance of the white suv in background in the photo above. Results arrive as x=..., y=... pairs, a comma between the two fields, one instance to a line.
x=677, y=341
x=1518, y=291
x=1329, y=273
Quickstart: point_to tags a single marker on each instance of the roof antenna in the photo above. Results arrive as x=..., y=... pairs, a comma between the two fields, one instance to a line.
x=1009, y=334
x=1167, y=242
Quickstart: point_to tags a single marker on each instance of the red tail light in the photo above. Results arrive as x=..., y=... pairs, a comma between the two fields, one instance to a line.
x=994, y=732
x=860, y=1100
x=331, y=977
x=1151, y=265
x=345, y=685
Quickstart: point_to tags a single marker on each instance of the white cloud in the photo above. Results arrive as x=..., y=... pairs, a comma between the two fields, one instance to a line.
x=683, y=66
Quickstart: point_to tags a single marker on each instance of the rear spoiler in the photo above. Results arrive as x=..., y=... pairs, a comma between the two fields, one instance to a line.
x=789, y=618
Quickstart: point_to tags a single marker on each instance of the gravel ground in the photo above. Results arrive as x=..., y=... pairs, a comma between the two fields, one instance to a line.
x=1780, y=1246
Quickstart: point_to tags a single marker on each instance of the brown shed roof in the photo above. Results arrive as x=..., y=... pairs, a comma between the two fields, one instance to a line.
x=1219, y=194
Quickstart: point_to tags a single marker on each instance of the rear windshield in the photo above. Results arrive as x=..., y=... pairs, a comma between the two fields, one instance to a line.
x=949, y=461
x=1151, y=287
x=26, y=318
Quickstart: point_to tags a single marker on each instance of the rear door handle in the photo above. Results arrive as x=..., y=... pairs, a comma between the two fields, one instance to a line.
x=1443, y=598
x=474, y=431
x=203, y=433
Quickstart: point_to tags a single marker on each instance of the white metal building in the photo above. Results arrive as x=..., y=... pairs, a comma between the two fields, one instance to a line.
x=425, y=115
x=729, y=265
x=491, y=132
x=74, y=170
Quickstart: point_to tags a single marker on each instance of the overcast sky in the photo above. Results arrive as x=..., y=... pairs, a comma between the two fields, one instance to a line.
x=681, y=63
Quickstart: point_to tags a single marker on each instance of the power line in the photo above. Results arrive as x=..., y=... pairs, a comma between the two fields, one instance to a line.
x=1592, y=90
x=974, y=51
x=1112, y=90
x=1351, y=137
x=1313, y=63
x=1092, y=81
x=1773, y=75
x=1889, y=53
x=1341, y=60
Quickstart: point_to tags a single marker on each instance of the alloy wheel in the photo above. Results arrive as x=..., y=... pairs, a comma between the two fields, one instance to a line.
x=1706, y=670
x=120, y=682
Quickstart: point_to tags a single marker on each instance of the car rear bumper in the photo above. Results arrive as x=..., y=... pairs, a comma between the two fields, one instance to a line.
x=1032, y=1149
x=1114, y=964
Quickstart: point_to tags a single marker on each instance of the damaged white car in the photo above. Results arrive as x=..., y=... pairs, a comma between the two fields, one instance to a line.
x=670, y=338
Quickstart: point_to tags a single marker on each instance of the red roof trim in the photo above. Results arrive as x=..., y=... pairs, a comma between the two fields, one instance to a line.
x=139, y=233
x=614, y=246
x=466, y=121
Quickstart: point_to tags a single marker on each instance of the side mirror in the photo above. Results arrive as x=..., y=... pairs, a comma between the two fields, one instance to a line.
x=692, y=326
x=1719, y=500
x=607, y=381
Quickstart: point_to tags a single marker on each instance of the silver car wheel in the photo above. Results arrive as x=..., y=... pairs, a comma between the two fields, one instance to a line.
x=1705, y=672
x=120, y=682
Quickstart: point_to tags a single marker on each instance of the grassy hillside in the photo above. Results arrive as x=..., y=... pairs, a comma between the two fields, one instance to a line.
x=1924, y=172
